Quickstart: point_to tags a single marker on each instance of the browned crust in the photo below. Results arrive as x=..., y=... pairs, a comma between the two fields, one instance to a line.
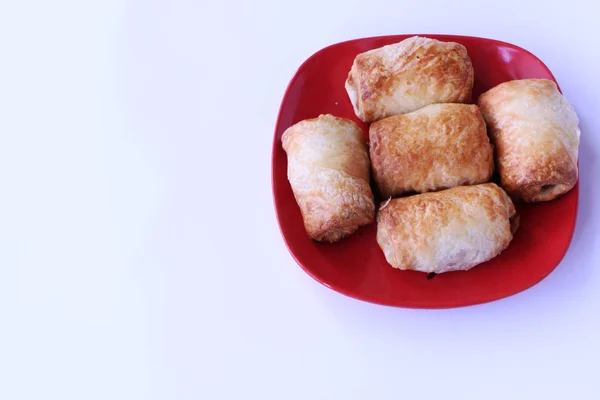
x=435, y=148
x=425, y=71
x=328, y=169
x=529, y=173
x=544, y=180
x=324, y=224
x=411, y=226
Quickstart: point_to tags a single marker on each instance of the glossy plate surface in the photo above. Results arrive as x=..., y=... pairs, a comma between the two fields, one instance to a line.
x=356, y=266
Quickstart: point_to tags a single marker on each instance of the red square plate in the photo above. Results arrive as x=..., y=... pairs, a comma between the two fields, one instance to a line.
x=356, y=266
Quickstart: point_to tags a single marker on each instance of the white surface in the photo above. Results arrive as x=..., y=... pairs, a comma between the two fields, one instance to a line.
x=139, y=253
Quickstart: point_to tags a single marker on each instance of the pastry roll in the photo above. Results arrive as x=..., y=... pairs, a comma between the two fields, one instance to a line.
x=328, y=169
x=450, y=230
x=403, y=77
x=437, y=147
x=536, y=135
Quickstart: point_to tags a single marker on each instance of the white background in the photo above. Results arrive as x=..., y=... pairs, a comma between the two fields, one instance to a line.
x=140, y=257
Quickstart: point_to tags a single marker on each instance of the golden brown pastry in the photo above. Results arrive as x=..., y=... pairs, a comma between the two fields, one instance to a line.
x=450, y=230
x=536, y=134
x=328, y=169
x=405, y=76
x=437, y=147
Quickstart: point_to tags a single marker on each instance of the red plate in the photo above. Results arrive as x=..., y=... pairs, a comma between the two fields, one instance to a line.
x=356, y=266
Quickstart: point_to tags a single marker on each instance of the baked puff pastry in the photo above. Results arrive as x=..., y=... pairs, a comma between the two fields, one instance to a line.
x=403, y=77
x=329, y=171
x=437, y=147
x=536, y=134
x=450, y=230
